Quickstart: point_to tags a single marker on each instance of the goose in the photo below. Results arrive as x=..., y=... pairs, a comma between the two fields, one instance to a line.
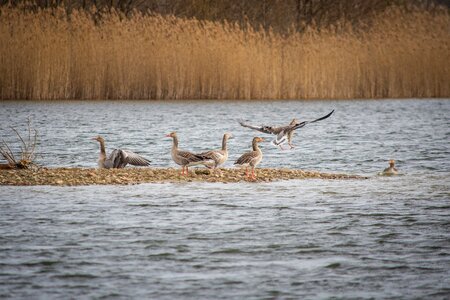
x=391, y=170
x=185, y=158
x=251, y=158
x=283, y=133
x=118, y=158
x=218, y=157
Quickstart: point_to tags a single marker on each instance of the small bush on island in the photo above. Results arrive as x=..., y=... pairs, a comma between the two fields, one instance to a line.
x=27, y=152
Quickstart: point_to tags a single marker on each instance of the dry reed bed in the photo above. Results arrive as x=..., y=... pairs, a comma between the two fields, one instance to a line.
x=77, y=176
x=49, y=55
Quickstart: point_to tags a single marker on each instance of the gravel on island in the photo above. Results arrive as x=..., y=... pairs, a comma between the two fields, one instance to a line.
x=85, y=176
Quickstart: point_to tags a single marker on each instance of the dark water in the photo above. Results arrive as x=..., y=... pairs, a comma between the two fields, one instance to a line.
x=386, y=237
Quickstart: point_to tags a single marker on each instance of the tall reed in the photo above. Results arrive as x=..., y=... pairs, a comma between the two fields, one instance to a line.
x=47, y=54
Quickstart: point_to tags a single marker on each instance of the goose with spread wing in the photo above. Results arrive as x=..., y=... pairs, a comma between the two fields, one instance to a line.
x=220, y=156
x=185, y=158
x=118, y=158
x=283, y=133
x=252, y=158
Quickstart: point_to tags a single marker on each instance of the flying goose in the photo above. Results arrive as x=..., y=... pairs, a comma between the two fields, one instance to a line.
x=391, y=170
x=118, y=158
x=184, y=158
x=218, y=157
x=284, y=133
x=252, y=158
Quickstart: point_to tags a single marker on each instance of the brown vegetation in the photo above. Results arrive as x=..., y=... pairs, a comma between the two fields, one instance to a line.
x=49, y=54
x=27, y=147
x=77, y=176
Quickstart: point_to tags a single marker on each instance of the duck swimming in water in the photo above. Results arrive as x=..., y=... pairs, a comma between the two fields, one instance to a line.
x=283, y=133
x=391, y=170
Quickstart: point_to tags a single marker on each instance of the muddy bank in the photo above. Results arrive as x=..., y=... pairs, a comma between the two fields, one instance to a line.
x=81, y=176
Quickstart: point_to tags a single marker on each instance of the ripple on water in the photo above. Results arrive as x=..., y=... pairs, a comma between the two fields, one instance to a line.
x=386, y=237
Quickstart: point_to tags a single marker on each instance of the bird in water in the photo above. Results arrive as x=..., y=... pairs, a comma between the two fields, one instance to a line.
x=283, y=133
x=392, y=170
x=252, y=158
x=118, y=158
x=220, y=156
x=185, y=158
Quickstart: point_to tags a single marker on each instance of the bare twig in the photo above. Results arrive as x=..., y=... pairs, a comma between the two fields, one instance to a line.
x=33, y=144
x=27, y=149
x=8, y=153
x=23, y=149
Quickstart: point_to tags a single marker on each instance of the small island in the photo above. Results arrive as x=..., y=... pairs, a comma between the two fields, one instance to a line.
x=89, y=176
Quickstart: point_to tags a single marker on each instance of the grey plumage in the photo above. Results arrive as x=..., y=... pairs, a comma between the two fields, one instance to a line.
x=118, y=158
x=283, y=133
x=185, y=158
x=252, y=158
x=220, y=156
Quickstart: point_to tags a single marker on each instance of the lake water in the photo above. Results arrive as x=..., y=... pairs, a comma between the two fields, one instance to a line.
x=381, y=238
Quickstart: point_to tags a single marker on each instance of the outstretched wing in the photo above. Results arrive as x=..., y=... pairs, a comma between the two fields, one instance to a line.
x=115, y=159
x=300, y=125
x=262, y=128
x=129, y=157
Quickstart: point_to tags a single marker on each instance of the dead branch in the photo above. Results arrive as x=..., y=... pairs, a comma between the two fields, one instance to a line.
x=27, y=150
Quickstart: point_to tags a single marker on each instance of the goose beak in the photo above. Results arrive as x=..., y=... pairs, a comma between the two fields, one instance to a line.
x=167, y=135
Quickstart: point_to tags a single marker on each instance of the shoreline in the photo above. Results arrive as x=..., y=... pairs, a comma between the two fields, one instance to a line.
x=130, y=176
x=226, y=100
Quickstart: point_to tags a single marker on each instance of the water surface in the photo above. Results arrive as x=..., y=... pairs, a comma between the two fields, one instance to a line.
x=386, y=237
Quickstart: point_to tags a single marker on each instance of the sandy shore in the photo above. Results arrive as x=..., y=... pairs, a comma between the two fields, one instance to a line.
x=81, y=176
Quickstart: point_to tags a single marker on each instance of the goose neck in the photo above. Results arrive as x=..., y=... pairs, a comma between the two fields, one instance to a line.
x=224, y=143
x=175, y=142
x=255, y=146
x=102, y=148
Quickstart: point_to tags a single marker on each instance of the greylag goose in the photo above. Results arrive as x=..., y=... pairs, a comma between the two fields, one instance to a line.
x=252, y=158
x=118, y=158
x=218, y=157
x=391, y=170
x=284, y=133
x=184, y=158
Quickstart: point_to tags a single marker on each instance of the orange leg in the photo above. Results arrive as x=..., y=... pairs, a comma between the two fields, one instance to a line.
x=253, y=173
x=187, y=171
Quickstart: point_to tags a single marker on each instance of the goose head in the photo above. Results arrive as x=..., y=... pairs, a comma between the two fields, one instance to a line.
x=227, y=135
x=258, y=139
x=173, y=134
x=99, y=139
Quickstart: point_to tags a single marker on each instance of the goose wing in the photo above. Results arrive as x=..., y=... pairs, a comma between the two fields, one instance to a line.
x=134, y=159
x=316, y=120
x=115, y=159
x=190, y=157
x=262, y=128
x=246, y=158
x=215, y=155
